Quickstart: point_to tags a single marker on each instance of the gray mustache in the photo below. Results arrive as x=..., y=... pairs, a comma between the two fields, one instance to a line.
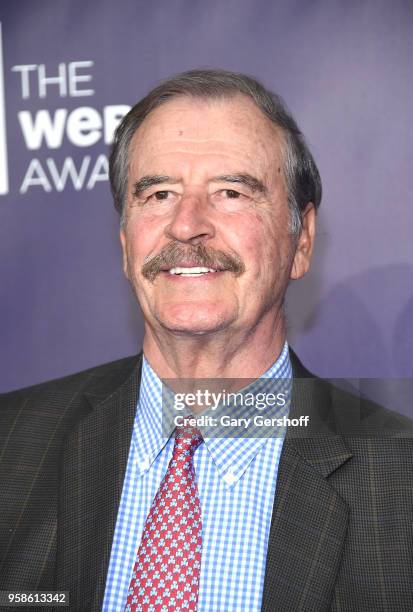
x=174, y=254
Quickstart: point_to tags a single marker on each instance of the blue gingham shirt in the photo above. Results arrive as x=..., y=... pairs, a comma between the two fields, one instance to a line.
x=236, y=481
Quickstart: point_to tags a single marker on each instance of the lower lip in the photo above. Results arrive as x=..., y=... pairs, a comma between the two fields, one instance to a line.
x=209, y=276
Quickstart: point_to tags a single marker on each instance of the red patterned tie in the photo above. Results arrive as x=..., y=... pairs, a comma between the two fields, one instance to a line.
x=167, y=568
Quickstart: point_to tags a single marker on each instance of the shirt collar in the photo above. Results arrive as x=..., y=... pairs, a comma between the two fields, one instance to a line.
x=231, y=455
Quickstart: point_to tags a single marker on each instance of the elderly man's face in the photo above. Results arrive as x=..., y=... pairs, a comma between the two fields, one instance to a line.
x=206, y=243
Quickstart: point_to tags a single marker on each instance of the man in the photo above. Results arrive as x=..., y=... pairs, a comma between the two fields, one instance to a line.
x=217, y=193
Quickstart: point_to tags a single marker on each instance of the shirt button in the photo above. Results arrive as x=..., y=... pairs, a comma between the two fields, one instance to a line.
x=144, y=464
x=230, y=477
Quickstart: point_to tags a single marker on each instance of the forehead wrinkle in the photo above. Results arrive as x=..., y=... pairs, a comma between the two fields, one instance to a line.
x=251, y=132
x=252, y=126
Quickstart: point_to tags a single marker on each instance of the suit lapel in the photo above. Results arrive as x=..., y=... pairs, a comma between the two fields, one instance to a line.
x=309, y=521
x=94, y=463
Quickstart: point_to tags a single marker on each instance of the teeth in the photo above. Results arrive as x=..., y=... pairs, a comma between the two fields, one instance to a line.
x=190, y=271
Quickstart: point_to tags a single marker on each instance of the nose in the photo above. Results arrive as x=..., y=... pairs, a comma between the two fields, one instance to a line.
x=191, y=222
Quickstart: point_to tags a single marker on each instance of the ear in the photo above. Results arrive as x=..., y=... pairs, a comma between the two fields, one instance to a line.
x=122, y=237
x=305, y=243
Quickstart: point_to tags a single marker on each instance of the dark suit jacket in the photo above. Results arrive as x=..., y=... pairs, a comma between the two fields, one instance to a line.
x=341, y=530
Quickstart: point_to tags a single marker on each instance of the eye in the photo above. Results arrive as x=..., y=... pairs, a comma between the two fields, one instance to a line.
x=232, y=194
x=160, y=195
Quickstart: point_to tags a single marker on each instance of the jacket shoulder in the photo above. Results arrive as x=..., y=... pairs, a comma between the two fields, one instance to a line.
x=49, y=400
x=349, y=410
x=90, y=380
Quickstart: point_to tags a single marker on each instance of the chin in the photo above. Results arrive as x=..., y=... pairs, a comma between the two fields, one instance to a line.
x=194, y=321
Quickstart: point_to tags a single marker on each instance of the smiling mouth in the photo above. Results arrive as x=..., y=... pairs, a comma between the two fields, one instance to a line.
x=192, y=272
x=177, y=261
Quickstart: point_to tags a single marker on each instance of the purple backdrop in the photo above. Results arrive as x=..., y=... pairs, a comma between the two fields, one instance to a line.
x=70, y=69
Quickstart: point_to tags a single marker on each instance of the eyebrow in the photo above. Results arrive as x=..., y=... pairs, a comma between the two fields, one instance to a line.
x=242, y=179
x=148, y=181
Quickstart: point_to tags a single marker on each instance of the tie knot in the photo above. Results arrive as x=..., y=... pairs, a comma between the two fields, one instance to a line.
x=187, y=439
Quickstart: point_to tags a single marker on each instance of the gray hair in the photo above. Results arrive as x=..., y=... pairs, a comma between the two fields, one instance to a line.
x=301, y=174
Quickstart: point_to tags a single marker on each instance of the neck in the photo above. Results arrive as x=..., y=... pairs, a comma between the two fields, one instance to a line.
x=223, y=354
